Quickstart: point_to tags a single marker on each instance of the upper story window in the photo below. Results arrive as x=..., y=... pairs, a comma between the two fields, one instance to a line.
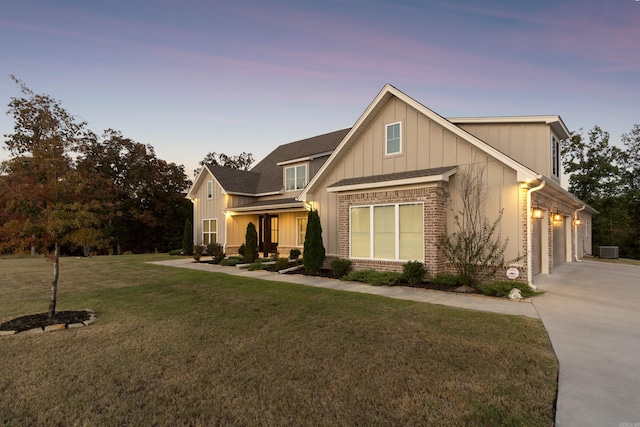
x=295, y=177
x=555, y=157
x=209, y=189
x=393, y=139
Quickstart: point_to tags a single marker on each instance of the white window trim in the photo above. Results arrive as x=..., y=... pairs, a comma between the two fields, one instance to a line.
x=386, y=145
x=397, y=231
x=555, y=156
x=211, y=232
x=209, y=190
x=299, y=243
x=295, y=176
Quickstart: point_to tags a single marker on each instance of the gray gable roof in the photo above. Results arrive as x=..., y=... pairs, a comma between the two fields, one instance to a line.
x=266, y=176
x=234, y=180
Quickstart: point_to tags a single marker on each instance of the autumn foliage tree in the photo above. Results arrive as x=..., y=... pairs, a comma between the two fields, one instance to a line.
x=40, y=190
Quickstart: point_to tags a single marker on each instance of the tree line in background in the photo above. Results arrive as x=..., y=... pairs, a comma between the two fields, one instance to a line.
x=607, y=177
x=64, y=188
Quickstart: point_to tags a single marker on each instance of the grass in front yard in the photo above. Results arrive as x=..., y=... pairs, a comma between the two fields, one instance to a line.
x=185, y=347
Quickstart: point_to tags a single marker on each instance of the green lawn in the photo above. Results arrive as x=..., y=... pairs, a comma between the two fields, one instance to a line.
x=183, y=347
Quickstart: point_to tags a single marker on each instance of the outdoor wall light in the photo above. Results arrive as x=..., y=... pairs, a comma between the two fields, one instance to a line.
x=577, y=221
x=536, y=213
x=557, y=217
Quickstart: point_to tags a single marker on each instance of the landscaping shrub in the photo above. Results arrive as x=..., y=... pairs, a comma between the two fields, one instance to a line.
x=215, y=250
x=502, y=289
x=251, y=244
x=414, y=272
x=375, y=278
x=446, y=279
x=281, y=263
x=231, y=261
x=187, y=238
x=197, y=252
x=258, y=265
x=175, y=252
x=314, y=252
x=294, y=254
x=241, y=250
x=340, y=267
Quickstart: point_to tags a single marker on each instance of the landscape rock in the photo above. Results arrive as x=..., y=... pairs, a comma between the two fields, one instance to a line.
x=75, y=325
x=515, y=294
x=33, y=331
x=57, y=327
x=6, y=333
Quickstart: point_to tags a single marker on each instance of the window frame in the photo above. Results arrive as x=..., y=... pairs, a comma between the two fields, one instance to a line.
x=209, y=190
x=397, y=232
x=296, y=177
x=212, y=233
x=386, y=139
x=555, y=156
x=300, y=238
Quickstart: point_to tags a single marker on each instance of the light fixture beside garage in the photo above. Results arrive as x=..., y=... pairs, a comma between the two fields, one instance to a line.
x=536, y=212
x=555, y=216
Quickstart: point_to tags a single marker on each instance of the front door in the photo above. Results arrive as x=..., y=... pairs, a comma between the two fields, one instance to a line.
x=268, y=234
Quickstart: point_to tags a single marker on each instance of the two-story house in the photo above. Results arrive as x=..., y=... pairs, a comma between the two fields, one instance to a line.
x=386, y=188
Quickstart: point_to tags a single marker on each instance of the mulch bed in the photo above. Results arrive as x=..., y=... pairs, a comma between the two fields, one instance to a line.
x=40, y=320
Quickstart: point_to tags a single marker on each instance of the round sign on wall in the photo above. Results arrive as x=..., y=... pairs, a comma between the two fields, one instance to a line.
x=513, y=273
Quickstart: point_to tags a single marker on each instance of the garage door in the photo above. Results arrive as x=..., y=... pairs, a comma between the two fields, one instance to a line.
x=536, y=249
x=559, y=243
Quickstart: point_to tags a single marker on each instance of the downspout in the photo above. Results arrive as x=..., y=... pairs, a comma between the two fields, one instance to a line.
x=575, y=233
x=529, y=237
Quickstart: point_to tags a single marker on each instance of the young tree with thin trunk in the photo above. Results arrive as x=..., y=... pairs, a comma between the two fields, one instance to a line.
x=474, y=250
x=41, y=193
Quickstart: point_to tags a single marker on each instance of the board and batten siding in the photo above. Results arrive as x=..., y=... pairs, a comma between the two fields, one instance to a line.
x=425, y=145
x=204, y=208
x=527, y=143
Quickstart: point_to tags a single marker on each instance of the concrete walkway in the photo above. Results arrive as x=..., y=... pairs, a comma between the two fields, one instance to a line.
x=473, y=302
x=591, y=311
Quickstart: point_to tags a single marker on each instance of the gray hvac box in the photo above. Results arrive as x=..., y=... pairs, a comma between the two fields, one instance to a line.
x=610, y=252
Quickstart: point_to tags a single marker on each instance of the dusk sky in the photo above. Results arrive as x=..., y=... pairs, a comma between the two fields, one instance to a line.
x=190, y=77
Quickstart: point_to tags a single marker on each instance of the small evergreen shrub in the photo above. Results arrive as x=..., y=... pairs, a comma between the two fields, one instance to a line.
x=294, y=254
x=375, y=278
x=187, y=238
x=281, y=263
x=258, y=265
x=215, y=250
x=197, y=252
x=241, y=250
x=446, y=279
x=502, y=289
x=414, y=272
x=340, y=267
x=251, y=244
x=232, y=261
x=314, y=252
x=175, y=252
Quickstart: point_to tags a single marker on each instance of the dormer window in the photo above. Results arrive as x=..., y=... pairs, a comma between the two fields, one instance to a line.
x=295, y=177
x=555, y=157
x=393, y=141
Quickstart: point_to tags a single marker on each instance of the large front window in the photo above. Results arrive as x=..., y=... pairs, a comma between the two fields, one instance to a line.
x=209, y=231
x=295, y=177
x=387, y=232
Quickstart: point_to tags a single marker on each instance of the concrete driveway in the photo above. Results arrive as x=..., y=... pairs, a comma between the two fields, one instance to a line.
x=592, y=313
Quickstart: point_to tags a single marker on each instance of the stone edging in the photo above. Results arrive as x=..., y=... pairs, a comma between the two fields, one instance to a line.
x=53, y=328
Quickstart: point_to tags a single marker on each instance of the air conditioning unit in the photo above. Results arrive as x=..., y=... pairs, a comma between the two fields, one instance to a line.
x=609, y=252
